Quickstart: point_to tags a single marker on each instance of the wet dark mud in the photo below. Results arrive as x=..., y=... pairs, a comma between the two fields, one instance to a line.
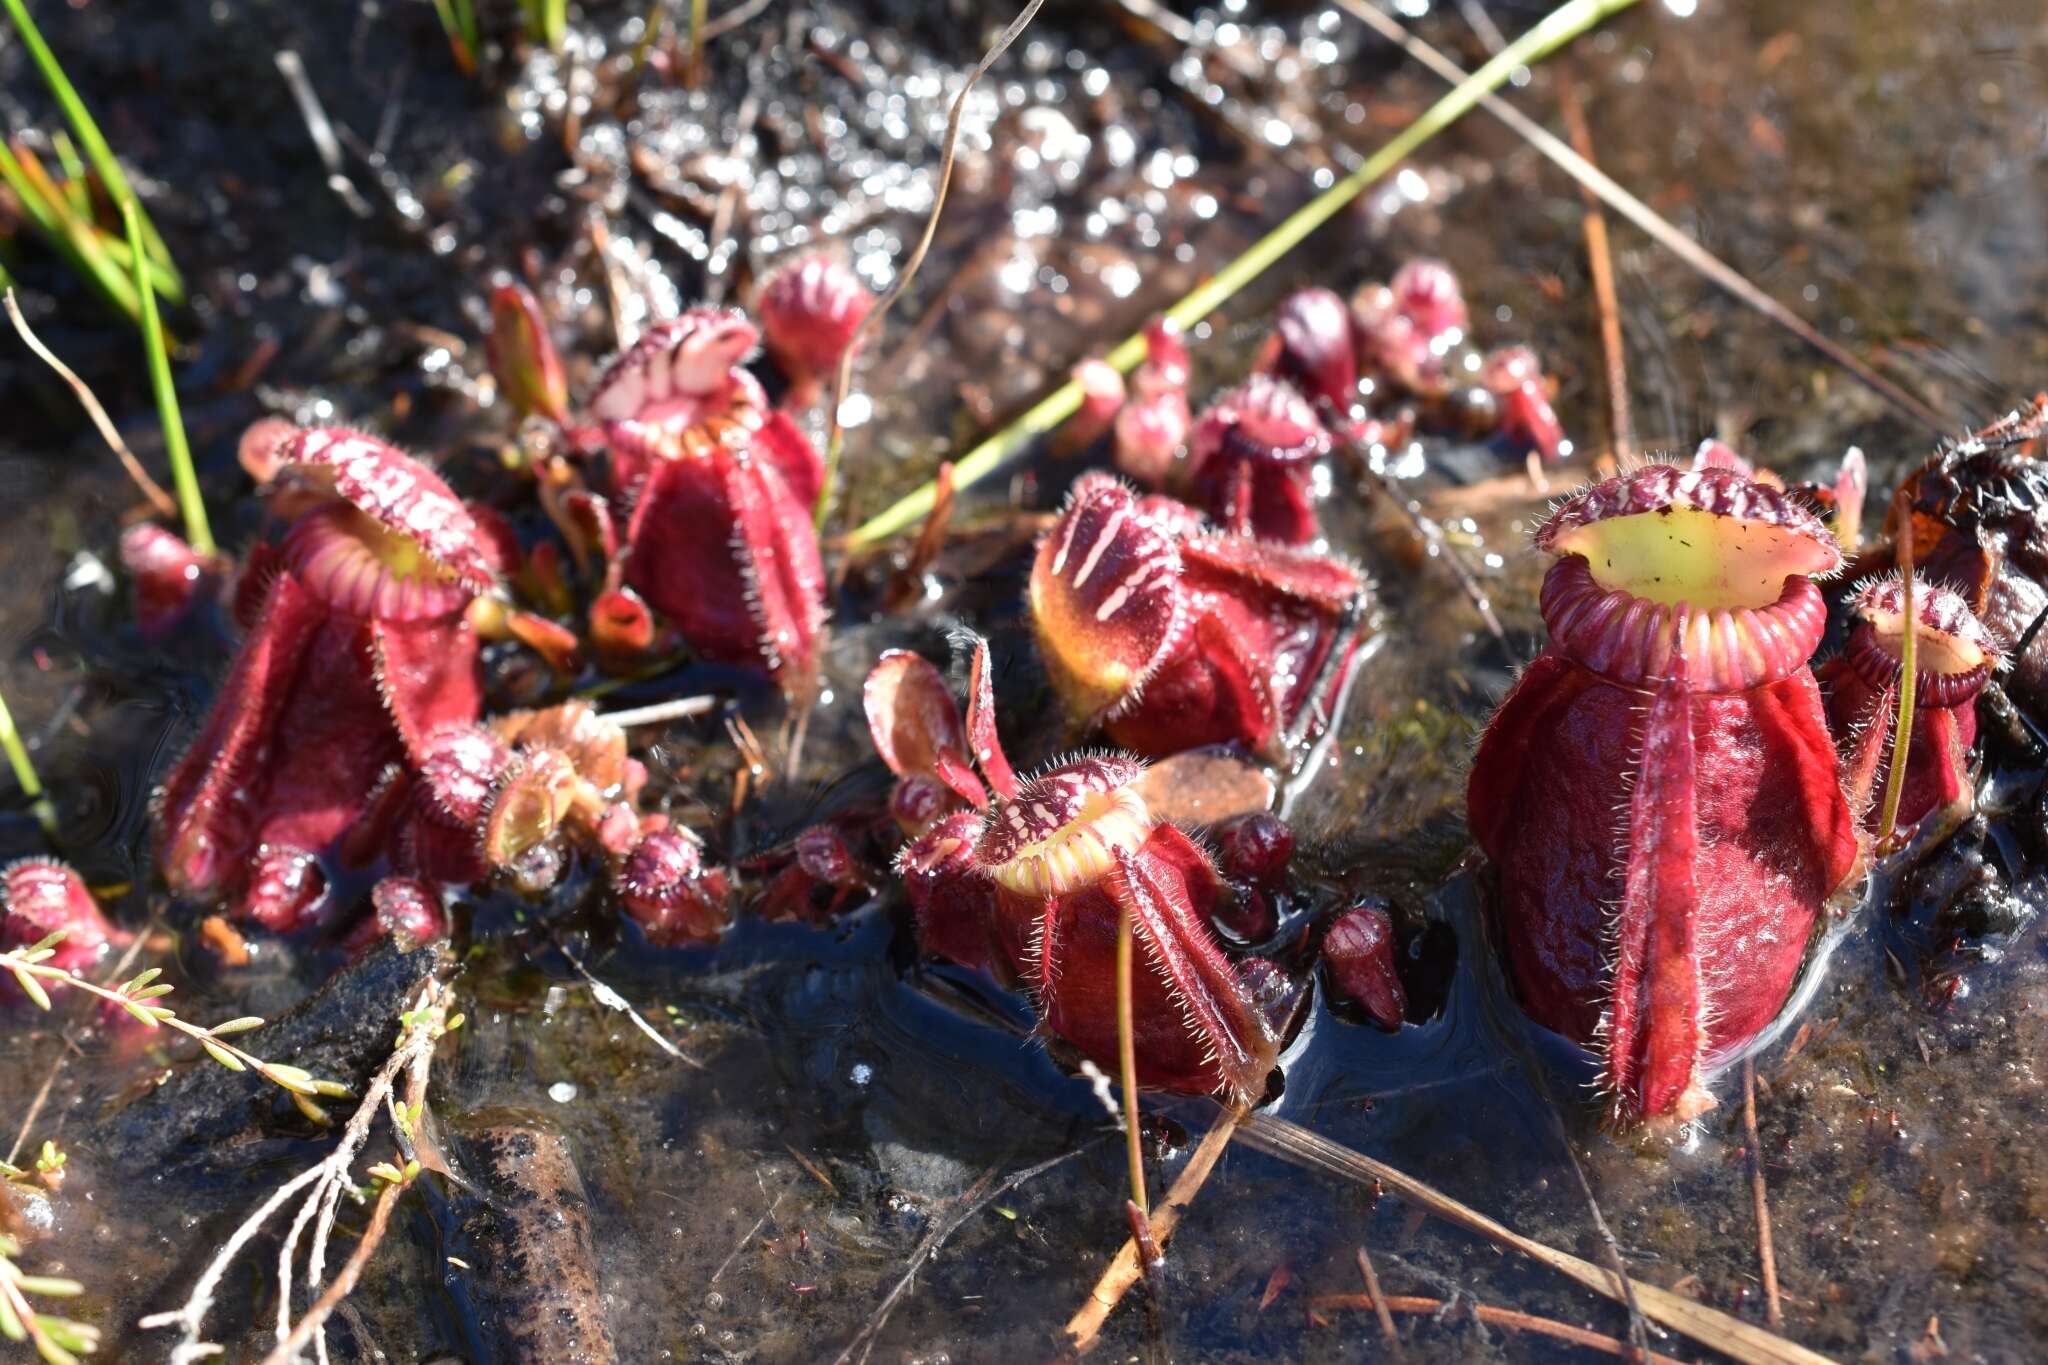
x=1878, y=167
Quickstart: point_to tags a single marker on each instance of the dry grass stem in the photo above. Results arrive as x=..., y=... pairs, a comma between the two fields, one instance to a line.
x=1649, y=220
x=843, y=380
x=1085, y=1327
x=1731, y=1336
x=151, y=489
x=1379, y=1303
x=1497, y=1317
x=1774, y=1308
x=1621, y=437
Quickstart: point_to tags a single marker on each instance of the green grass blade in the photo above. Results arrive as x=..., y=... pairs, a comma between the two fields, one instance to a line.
x=25, y=770
x=70, y=206
x=551, y=17
x=1556, y=29
x=76, y=189
x=88, y=132
x=180, y=455
x=81, y=249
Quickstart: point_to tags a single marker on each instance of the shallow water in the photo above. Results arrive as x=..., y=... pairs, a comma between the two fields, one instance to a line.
x=1880, y=171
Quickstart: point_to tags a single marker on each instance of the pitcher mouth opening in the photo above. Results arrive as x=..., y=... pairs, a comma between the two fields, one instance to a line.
x=1641, y=642
x=1709, y=538
x=360, y=567
x=1700, y=572
x=1064, y=830
x=1954, y=653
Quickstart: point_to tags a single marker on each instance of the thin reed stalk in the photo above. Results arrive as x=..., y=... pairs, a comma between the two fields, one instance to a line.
x=190, y=504
x=25, y=770
x=1555, y=30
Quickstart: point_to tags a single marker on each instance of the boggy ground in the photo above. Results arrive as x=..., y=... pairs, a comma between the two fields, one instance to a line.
x=1880, y=169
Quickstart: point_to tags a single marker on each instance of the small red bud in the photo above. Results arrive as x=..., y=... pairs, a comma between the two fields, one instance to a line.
x=1255, y=848
x=1358, y=957
x=523, y=356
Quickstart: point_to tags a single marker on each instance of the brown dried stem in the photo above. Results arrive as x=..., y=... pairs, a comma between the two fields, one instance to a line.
x=1730, y=1336
x=1621, y=438
x=843, y=380
x=344, y=1282
x=962, y=1207
x=1379, y=1302
x=1497, y=1317
x=159, y=500
x=1085, y=1327
x=1774, y=1309
x=1648, y=219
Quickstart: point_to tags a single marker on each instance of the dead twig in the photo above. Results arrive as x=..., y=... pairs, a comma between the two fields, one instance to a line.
x=963, y=1207
x=612, y=1000
x=730, y=20
x=1774, y=1309
x=1498, y=1317
x=151, y=489
x=843, y=381
x=1730, y=1336
x=1638, y=1331
x=1437, y=544
x=1621, y=437
x=1085, y=1327
x=1648, y=219
x=1379, y=1302
x=344, y=1284
x=320, y=130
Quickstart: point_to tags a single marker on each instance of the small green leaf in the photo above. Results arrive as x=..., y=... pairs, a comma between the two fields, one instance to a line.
x=333, y=1090
x=222, y=1055
x=10, y=1325
x=48, y=941
x=54, y=1340
x=241, y=1025
x=141, y=1012
x=142, y=979
x=32, y=988
x=50, y=1287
